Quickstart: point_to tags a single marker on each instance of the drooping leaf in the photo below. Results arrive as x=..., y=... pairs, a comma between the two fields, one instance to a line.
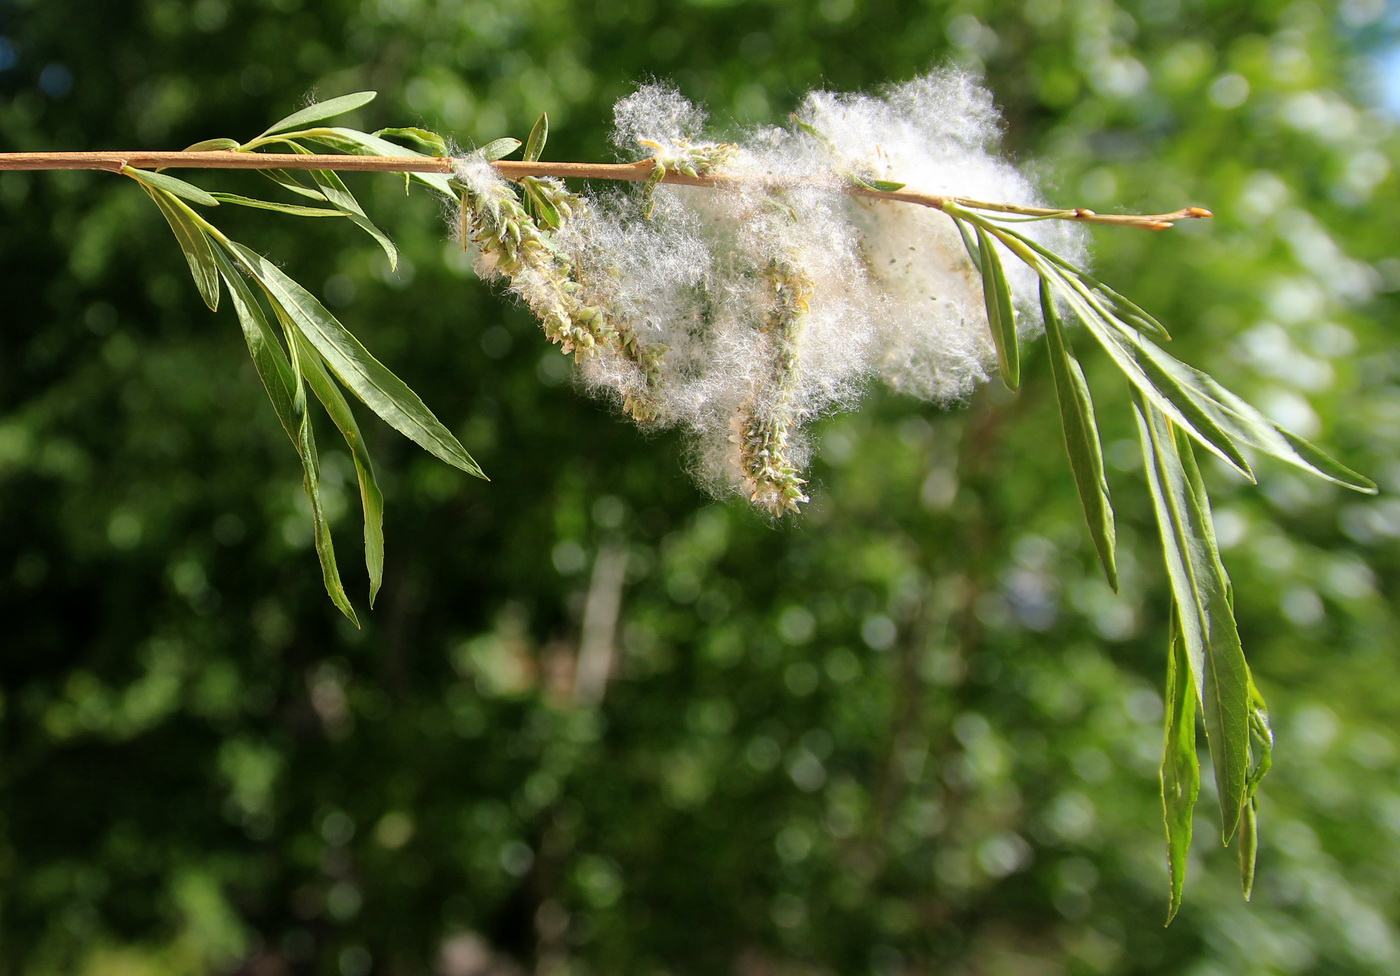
x=1247, y=425
x=371, y=498
x=286, y=208
x=170, y=184
x=357, y=370
x=1201, y=593
x=291, y=180
x=1081, y=435
x=193, y=243
x=974, y=252
x=539, y=135
x=1181, y=768
x=364, y=144
x=997, y=295
x=1116, y=309
x=328, y=109
x=1144, y=372
x=1261, y=740
x=276, y=373
x=334, y=190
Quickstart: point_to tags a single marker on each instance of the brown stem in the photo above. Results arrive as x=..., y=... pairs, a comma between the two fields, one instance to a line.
x=635, y=172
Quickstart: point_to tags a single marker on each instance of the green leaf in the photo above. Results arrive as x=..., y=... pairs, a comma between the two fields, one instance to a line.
x=883, y=186
x=172, y=185
x=363, y=144
x=1181, y=768
x=1133, y=356
x=1116, y=309
x=974, y=253
x=357, y=370
x=1081, y=435
x=286, y=208
x=1261, y=738
x=371, y=498
x=997, y=295
x=497, y=149
x=330, y=108
x=539, y=135
x=1201, y=592
x=291, y=180
x=333, y=188
x=435, y=144
x=1248, y=426
x=277, y=378
x=212, y=145
x=193, y=243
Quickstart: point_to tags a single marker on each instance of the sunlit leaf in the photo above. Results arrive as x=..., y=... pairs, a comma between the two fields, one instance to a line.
x=1201, y=592
x=1000, y=317
x=193, y=243
x=435, y=144
x=328, y=109
x=357, y=370
x=286, y=208
x=212, y=145
x=497, y=149
x=371, y=498
x=1130, y=353
x=1247, y=425
x=364, y=144
x=1081, y=435
x=276, y=373
x=170, y=184
x=1181, y=768
x=539, y=135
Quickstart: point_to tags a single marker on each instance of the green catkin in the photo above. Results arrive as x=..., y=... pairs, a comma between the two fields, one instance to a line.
x=763, y=428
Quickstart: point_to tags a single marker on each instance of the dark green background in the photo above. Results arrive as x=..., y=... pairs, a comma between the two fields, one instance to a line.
x=912, y=732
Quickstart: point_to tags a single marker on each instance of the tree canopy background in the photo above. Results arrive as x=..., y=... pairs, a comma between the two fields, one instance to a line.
x=913, y=732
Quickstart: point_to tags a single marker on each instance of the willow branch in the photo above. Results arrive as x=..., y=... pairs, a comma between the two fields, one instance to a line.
x=113, y=161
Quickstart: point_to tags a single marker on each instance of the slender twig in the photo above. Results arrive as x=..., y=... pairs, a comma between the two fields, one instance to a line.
x=642, y=171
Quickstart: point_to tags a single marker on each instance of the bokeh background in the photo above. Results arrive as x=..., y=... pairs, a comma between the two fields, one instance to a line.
x=911, y=733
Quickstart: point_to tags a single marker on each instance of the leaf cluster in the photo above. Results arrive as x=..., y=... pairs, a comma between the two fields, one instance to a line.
x=294, y=341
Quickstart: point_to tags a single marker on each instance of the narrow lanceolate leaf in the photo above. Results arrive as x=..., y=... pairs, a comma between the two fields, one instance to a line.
x=539, y=135
x=171, y=185
x=997, y=295
x=1133, y=356
x=356, y=369
x=1201, y=593
x=974, y=253
x=1181, y=769
x=1248, y=426
x=1261, y=740
x=328, y=109
x=371, y=498
x=1117, y=309
x=286, y=208
x=193, y=242
x=333, y=188
x=1081, y=435
x=365, y=144
x=278, y=379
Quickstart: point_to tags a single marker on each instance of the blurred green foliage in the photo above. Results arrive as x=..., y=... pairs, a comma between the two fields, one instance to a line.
x=912, y=733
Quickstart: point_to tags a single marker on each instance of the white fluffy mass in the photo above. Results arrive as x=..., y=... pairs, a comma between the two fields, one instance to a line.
x=754, y=308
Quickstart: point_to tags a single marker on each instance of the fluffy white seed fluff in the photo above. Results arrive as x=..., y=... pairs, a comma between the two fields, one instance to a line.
x=892, y=291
